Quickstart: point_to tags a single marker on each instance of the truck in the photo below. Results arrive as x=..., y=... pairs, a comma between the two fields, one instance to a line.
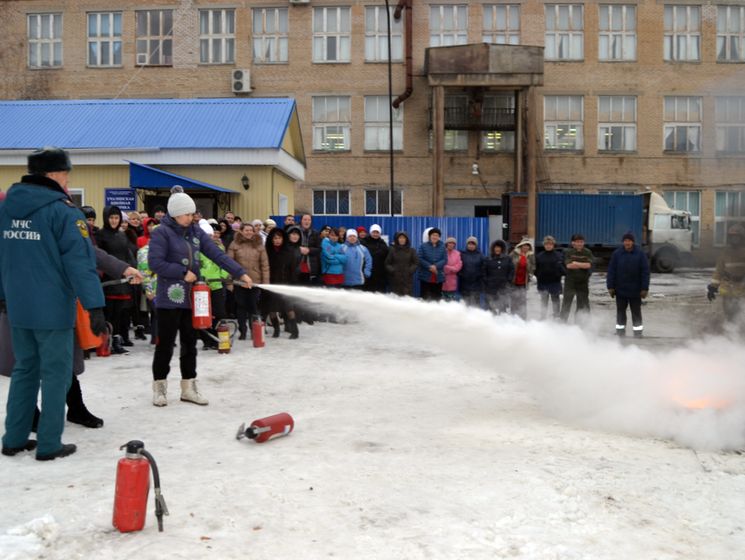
x=664, y=233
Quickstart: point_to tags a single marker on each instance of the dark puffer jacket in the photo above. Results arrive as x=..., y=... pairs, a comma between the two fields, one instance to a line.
x=628, y=272
x=282, y=262
x=498, y=271
x=116, y=244
x=472, y=274
x=401, y=264
x=379, y=252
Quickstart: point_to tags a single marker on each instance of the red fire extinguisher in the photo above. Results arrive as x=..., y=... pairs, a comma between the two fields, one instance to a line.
x=264, y=429
x=201, y=308
x=257, y=332
x=132, y=487
x=104, y=349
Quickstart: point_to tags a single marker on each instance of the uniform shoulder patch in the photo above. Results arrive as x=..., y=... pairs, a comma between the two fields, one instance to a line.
x=83, y=227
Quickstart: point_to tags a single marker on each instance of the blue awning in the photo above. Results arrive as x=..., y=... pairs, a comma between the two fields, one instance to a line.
x=146, y=177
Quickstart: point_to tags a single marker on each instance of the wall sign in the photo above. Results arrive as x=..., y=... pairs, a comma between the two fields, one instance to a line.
x=125, y=199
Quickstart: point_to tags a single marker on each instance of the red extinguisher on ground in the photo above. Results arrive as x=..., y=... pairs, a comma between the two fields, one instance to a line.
x=201, y=308
x=257, y=332
x=104, y=350
x=264, y=429
x=132, y=488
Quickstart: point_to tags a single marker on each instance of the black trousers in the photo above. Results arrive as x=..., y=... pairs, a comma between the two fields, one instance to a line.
x=247, y=305
x=430, y=291
x=117, y=312
x=581, y=291
x=636, y=311
x=171, y=322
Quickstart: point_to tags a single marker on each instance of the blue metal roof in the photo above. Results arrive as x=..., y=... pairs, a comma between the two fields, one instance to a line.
x=146, y=177
x=145, y=123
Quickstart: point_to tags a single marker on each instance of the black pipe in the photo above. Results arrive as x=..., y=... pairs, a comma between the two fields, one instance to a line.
x=409, y=41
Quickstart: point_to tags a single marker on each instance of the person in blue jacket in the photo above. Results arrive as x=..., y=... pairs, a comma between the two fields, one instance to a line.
x=46, y=263
x=333, y=260
x=175, y=247
x=628, y=282
x=358, y=265
x=432, y=260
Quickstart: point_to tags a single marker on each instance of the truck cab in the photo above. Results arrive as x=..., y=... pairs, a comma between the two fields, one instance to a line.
x=667, y=234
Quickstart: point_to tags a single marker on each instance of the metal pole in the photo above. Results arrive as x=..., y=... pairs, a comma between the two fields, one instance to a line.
x=390, y=102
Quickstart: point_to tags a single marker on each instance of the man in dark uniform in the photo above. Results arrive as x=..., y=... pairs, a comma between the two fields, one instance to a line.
x=46, y=263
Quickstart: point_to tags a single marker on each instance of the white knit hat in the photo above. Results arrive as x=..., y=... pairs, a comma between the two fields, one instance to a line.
x=180, y=203
x=206, y=227
x=352, y=231
x=376, y=227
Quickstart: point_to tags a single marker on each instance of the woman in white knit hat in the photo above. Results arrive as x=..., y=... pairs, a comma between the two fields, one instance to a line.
x=174, y=253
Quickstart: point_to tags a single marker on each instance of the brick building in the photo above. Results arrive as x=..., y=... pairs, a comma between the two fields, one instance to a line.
x=636, y=95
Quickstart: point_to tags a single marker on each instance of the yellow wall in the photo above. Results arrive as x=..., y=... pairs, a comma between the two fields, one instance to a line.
x=260, y=201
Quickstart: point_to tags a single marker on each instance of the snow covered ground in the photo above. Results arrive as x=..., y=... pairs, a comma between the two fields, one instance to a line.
x=422, y=431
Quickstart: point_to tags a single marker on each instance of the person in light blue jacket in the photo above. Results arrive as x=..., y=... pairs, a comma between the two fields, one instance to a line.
x=359, y=262
x=333, y=260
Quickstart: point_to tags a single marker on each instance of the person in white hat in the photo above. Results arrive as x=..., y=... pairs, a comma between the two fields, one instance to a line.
x=379, y=252
x=175, y=248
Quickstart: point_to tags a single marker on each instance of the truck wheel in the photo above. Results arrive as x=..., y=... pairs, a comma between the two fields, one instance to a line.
x=665, y=260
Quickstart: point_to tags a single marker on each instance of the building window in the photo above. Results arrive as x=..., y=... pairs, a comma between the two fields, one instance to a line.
x=44, y=40
x=565, y=33
x=77, y=196
x=731, y=33
x=502, y=24
x=682, y=33
x=332, y=35
x=729, y=209
x=448, y=25
x=332, y=123
x=216, y=36
x=617, y=32
x=377, y=131
x=730, y=119
x=497, y=140
x=270, y=29
x=376, y=35
x=617, y=123
x=378, y=202
x=682, y=124
x=154, y=32
x=563, y=117
x=105, y=39
x=331, y=201
x=690, y=201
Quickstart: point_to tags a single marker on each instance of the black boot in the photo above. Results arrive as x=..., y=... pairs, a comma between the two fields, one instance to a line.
x=77, y=413
x=242, y=335
x=275, y=325
x=140, y=332
x=116, y=345
x=294, y=333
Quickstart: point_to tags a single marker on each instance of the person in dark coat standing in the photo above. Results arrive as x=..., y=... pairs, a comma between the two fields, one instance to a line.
x=282, y=271
x=432, y=260
x=499, y=271
x=471, y=275
x=549, y=268
x=174, y=256
x=628, y=282
x=401, y=264
x=42, y=230
x=378, y=249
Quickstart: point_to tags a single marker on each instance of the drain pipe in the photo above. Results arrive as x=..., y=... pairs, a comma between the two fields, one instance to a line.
x=409, y=41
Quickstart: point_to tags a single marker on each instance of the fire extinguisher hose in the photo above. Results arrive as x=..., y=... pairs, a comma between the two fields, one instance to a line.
x=160, y=502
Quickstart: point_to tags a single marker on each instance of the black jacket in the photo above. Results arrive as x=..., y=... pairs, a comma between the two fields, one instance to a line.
x=401, y=264
x=471, y=275
x=498, y=271
x=378, y=251
x=549, y=267
x=116, y=244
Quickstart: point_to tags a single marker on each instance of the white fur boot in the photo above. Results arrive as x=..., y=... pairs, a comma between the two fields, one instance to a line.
x=160, y=389
x=190, y=393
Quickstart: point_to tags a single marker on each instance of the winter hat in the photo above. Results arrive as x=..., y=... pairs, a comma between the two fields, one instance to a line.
x=376, y=227
x=472, y=239
x=351, y=233
x=212, y=222
x=180, y=203
x=88, y=212
x=525, y=241
x=360, y=229
x=269, y=223
x=206, y=227
x=48, y=160
x=628, y=235
x=257, y=223
x=549, y=239
x=295, y=229
x=434, y=230
x=451, y=240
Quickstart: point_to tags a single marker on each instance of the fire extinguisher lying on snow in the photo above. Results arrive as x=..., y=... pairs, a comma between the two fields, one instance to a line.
x=132, y=487
x=201, y=306
x=264, y=429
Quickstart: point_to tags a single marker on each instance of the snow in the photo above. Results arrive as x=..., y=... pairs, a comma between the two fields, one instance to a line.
x=421, y=431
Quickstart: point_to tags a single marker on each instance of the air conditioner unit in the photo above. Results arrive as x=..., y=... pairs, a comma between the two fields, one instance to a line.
x=299, y=2
x=241, y=81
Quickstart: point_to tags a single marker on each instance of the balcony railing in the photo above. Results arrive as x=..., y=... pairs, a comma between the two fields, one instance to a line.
x=488, y=118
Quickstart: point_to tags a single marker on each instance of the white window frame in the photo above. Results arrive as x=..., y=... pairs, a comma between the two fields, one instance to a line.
x=381, y=197
x=682, y=41
x=734, y=213
x=555, y=128
x=332, y=193
x=564, y=42
x=683, y=200
x=621, y=119
x=729, y=115
x=441, y=33
x=501, y=24
x=676, y=113
x=112, y=39
x=342, y=35
x=270, y=47
x=377, y=129
x=495, y=141
x=162, y=37
x=38, y=44
x=376, y=35
x=77, y=192
x=220, y=45
x=616, y=32
x=730, y=33
x=323, y=126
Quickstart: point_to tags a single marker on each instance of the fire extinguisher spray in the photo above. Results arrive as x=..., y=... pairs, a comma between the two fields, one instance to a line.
x=257, y=332
x=132, y=487
x=264, y=429
x=201, y=308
